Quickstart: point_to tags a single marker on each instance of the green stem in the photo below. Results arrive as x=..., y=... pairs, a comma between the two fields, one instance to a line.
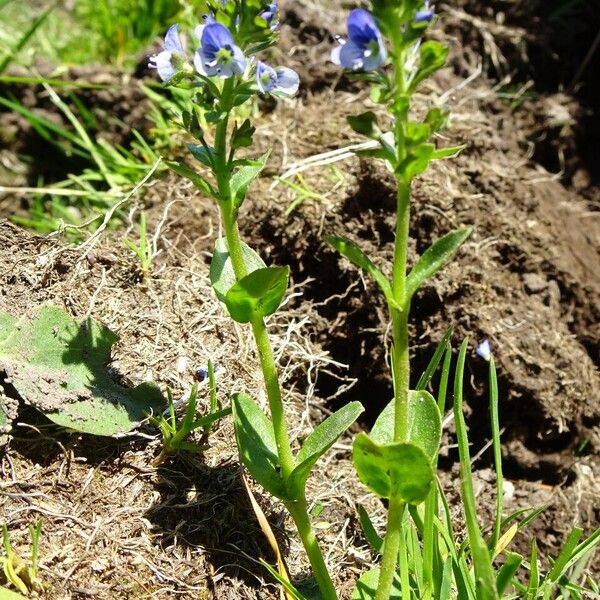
x=400, y=345
x=298, y=509
x=392, y=546
x=299, y=512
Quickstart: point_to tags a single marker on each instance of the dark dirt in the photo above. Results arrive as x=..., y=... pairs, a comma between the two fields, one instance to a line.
x=527, y=280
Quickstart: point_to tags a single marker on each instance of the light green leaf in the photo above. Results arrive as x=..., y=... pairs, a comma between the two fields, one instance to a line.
x=259, y=294
x=434, y=258
x=432, y=56
x=185, y=171
x=425, y=423
x=358, y=258
x=59, y=366
x=10, y=595
x=243, y=177
x=447, y=152
x=222, y=275
x=400, y=470
x=366, y=586
x=365, y=124
x=256, y=444
x=318, y=442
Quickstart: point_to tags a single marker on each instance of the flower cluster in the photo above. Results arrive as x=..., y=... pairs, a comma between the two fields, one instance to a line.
x=218, y=55
x=365, y=49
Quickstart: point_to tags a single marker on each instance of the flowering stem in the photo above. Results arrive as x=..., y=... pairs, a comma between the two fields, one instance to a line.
x=400, y=342
x=297, y=509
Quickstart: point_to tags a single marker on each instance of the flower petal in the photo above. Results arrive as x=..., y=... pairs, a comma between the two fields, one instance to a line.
x=352, y=56
x=288, y=81
x=362, y=28
x=172, y=41
x=214, y=37
x=162, y=63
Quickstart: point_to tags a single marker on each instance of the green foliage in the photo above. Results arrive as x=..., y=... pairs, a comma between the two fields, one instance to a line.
x=358, y=258
x=366, y=586
x=142, y=249
x=434, y=258
x=424, y=423
x=319, y=442
x=257, y=295
x=243, y=176
x=222, y=275
x=395, y=470
x=21, y=574
x=175, y=434
x=59, y=366
x=256, y=444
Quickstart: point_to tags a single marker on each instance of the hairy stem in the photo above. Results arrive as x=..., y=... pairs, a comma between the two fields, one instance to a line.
x=298, y=509
x=299, y=512
x=400, y=345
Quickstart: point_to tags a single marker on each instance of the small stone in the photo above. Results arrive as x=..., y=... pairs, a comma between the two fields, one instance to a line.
x=534, y=283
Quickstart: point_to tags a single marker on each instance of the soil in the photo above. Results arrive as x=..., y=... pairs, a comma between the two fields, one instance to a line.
x=115, y=526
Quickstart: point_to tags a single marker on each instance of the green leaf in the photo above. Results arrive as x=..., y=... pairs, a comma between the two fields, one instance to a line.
x=400, y=470
x=205, y=154
x=358, y=258
x=259, y=294
x=243, y=177
x=366, y=586
x=425, y=423
x=222, y=276
x=507, y=572
x=6, y=594
x=256, y=444
x=374, y=539
x=365, y=124
x=432, y=56
x=436, y=119
x=185, y=171
x=434, y=258
x=447, y=152
x=484, y=572
x=58, y=366
x=435, y=360
x=318, y=442
x=242, y=136
x=417, y=133
x=191, y=123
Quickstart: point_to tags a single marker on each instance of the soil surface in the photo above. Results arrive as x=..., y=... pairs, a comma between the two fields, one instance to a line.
x=115, y=526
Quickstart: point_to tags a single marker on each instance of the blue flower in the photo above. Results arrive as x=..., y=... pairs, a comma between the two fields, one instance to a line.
x=425, y=15
x=280, y=81
x=484, y=350
x=270, y=16
x=163, y=61
x=218, y=55
x=364, y=50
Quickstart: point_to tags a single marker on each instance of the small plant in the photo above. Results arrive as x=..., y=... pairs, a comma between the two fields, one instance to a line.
x=142, y=249
x=175, y=434
x=22, y=575
x=398, y=459
x=226, y=79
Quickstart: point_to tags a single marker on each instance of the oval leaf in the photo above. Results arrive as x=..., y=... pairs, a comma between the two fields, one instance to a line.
x=318, y=442
x=222, y=276
x=256, y=444
x=244, y=176
x=400, y=470
x=434, y=258
x=425, y=423
x=58, y=366
x=358, y=258
x=258, y=294
x=366, y=586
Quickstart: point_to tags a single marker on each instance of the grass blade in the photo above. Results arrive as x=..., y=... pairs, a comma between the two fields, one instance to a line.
x=435, y=360
x=484, y=573
x=507, y=572
x=495, y=422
